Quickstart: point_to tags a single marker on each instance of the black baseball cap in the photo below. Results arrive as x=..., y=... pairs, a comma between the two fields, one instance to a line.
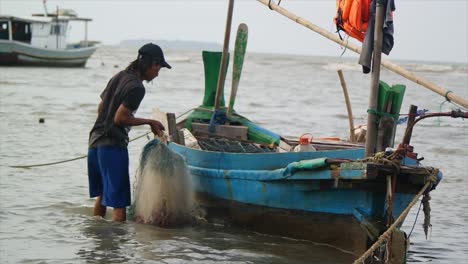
x=155, y=52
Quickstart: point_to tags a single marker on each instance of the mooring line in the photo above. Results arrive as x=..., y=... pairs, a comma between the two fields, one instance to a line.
x=83, y=156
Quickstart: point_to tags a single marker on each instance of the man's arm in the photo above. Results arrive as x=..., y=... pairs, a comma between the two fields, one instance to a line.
x=124, y=117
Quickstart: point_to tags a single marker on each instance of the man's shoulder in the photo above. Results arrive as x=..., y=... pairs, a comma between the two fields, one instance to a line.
x=130, y=80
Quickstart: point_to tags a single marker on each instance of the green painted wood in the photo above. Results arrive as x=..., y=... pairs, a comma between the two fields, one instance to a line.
x=239, y=54
x=211, y=63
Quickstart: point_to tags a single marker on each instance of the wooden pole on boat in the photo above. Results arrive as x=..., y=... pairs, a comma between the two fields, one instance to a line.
x=224, y=56
x=371, y=135
x=409, y=128
x=348, y=106
x=172, y=127
x=387, y=64
x=10, y=30
x=44, y=2
x=86, y=34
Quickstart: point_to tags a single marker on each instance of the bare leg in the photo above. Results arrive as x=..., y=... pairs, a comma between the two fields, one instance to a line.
x=99, y=209
x=119, y=214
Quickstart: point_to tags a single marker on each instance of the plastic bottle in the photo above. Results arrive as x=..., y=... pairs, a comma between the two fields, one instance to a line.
x=304, y=144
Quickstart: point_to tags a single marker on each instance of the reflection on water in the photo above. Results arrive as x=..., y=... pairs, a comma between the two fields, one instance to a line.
x=107, y=239
x=109, y=242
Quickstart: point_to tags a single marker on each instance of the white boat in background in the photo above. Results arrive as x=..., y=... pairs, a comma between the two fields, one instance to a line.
x=41, y=40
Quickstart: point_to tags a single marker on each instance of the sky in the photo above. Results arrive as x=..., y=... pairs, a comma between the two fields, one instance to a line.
x=425, y=30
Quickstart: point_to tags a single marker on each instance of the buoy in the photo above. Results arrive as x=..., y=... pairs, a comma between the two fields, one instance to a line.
x=41, y=120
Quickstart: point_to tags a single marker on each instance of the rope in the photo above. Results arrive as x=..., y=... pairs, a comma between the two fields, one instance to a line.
x=47, y=164
x=446, y=98
x=415, y=220
x=83, y=156
x=345, y=47
x=387, y=234
x=427, y=213
x=375, y=112
x=269, y=4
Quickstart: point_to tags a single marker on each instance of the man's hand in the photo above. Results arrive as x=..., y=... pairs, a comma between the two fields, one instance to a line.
x=124, y=117
x=156, y=127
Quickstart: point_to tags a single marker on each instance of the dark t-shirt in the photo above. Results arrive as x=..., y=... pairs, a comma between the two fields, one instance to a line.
x=124, y=88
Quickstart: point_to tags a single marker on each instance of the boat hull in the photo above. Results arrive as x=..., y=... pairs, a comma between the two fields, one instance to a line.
x=15, y=53
x=270, y=193
x=342, y=231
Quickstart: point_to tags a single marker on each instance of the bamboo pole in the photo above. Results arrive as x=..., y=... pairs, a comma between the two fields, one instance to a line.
x=387, y=64
x=348, y=106
x=224, y=56
x=371, y=135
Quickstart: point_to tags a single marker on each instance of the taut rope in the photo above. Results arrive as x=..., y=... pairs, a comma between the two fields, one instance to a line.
x=83, y=156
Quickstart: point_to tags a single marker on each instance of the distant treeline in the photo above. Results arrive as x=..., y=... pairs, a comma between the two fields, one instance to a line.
x=172, y=44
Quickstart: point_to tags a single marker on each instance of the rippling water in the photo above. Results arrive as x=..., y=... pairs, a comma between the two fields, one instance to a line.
x=46, y=213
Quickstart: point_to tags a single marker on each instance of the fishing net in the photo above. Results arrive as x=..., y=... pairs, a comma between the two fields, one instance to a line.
x=163, y=193
x=229, y=145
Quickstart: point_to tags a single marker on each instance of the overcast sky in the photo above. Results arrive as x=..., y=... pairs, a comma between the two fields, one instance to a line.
x=428, y=30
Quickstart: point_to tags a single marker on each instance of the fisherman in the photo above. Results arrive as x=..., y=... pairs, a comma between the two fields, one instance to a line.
x=108, y=165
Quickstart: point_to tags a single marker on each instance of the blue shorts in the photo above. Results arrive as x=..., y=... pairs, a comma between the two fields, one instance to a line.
x=108, y=175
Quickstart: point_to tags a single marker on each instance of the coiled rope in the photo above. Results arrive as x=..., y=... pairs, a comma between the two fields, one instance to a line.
x=387, y=234
x=83, y=156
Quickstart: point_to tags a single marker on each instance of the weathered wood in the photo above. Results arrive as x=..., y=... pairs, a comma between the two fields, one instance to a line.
x=224, y=56
x=371, y=135
x=384, y=134
x=342, y=231
x=386, y=131
x=181, y=137
x=172, y=126
x=235, y=132
x=348, y=106
x=239, y=53
x=387, y=64
x=409, y=128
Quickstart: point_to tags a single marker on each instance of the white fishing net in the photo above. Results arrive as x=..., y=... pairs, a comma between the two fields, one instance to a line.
x=163, y=193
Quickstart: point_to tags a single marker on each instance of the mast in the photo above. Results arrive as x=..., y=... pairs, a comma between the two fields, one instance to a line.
x=10, y=30
x=86, y=34
x=371, y=135
x=224, y=56
x=57, y=30
x=44, y=2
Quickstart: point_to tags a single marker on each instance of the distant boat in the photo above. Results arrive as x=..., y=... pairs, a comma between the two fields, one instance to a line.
x=41, y=40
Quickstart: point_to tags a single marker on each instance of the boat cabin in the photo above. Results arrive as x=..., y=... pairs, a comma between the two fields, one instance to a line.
x=49, y=31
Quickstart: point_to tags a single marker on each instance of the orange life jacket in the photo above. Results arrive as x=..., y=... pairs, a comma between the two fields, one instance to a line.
x=352, y=17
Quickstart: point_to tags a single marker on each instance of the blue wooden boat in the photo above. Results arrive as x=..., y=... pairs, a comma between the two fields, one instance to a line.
x=332, y=195
x=336, y=192
x=326, y=196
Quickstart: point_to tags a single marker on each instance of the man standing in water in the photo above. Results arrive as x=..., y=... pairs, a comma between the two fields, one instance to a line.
x=108, y=166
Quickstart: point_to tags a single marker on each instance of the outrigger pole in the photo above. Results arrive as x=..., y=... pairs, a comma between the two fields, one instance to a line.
x=449, y=95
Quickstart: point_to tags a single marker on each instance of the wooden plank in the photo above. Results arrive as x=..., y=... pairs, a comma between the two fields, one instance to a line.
x=173, y=131
x=235, y=132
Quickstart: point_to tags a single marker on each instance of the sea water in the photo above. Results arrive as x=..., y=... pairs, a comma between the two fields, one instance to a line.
x=45, y=212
